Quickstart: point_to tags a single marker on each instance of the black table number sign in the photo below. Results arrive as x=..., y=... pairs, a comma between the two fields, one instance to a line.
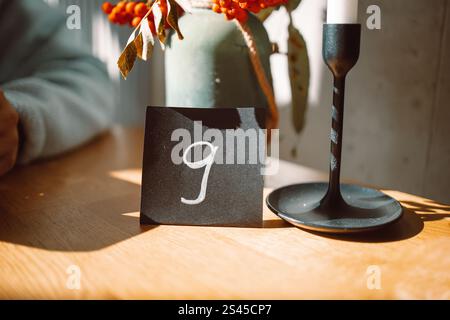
x=203, y=166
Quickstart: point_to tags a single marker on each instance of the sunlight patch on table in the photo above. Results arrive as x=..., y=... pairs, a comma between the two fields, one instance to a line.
x=129, y=175
x=131, y=214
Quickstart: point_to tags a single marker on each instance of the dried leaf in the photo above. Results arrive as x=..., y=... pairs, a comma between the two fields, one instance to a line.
x=185, y=5
x=298, y=64
x=140, y=46
x=291, y=5
x=127, y=59
x=159, y=23
x=147, y=41
x=172, y=17
x=265, y=13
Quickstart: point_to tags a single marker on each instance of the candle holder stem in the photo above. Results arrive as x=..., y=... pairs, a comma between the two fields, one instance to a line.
x=333, y=195
x=340, y=53
x=336, y=207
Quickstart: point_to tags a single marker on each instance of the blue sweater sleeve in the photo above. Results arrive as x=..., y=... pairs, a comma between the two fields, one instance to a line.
x=62, y=94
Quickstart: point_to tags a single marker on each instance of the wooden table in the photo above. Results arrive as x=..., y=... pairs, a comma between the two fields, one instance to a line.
x=79, y=213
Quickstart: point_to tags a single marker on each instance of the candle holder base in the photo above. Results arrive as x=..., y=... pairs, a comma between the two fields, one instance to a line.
x=359, y=210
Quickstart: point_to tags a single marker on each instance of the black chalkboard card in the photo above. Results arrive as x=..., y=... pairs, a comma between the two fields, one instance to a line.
x=203, y=167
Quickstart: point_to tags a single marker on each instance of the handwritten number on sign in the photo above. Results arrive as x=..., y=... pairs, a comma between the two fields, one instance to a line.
x=207, y=162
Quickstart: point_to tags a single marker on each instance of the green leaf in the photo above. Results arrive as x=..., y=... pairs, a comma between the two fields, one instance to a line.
x=172, y=17
x=298, y=64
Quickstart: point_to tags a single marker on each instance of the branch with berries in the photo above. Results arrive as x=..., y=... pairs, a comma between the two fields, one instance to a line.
x=240, y=9
x=160, y=16
x=132, y=12
x=148, y=18
x=154, y=18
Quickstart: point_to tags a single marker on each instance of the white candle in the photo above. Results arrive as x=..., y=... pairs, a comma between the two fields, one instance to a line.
x=342, y=11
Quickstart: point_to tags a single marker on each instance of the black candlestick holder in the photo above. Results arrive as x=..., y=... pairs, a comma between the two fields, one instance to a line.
x=336, y=207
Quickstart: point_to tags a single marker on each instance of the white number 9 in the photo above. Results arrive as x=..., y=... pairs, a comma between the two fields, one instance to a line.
x=207, y=162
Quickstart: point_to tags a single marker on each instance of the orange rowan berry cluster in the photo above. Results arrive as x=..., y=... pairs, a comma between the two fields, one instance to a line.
x=239, y=9
x=132, y=12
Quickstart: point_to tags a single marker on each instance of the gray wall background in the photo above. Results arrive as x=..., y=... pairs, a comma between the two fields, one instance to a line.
x=397, y=112
x=397, y=117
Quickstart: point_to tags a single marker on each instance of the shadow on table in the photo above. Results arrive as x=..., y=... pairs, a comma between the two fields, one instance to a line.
x=412, y=222
x=70, y=202
x=74, y=212
x=276, y=224
x=90, y=201
x=70, y=216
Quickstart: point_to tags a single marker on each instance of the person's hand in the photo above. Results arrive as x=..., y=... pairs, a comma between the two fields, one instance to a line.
x=9, y=135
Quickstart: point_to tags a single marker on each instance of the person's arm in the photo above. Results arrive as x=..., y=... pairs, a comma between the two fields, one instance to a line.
x=62, y=94
x=9, y=135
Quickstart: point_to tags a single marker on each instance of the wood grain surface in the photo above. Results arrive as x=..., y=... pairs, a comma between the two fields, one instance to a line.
x=79, y=212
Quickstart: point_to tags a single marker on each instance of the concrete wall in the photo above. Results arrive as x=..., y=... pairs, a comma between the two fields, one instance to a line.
x=397, y=117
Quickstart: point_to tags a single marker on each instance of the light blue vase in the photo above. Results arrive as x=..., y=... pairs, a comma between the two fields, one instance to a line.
x=211, y=66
